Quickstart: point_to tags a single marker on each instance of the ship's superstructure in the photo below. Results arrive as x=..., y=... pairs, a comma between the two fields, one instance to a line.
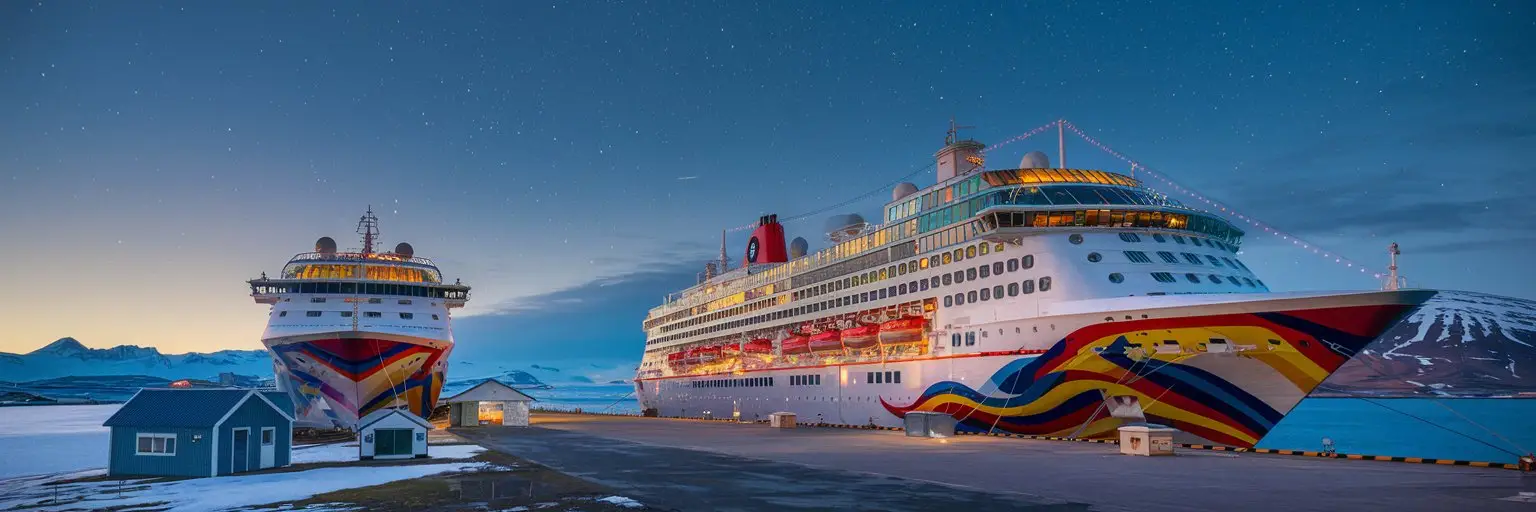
x=1034, y=300
x=354, y=332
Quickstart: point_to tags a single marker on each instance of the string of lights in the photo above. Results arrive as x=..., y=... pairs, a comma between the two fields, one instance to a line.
x=1232, y=213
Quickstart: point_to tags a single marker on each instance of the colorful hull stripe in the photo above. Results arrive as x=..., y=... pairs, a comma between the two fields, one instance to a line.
x=336, y=381
x=1226, y=378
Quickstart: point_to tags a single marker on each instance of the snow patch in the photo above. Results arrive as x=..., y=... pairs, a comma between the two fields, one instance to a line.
x=345, y=452
x=621, y=501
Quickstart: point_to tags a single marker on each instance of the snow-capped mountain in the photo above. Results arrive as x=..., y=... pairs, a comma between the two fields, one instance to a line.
x=68, y=357
x=1457, y=344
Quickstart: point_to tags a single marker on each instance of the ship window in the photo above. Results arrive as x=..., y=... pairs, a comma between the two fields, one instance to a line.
x=346, y=314
x=1213, y=260
x=1028, y=286
x=934, y=282
x=1215, y=278
x=372, y=314
x=407, y=316
x=1234, y=281
x=970, y=296
x=959, y=276
x=985, y=247
x=1045, y=284
x=997, y=291
x=986, y=294
x=946, y=258
x=434, y=316
x=1248, y=282
x=948, y=301
x=1192, y=278
x=997, y=268
x=1013, y=265
x=282, y=313
x=970, y=252
x=923, y=285
x=311, y=313
x=317, y=299
x=959, y=299
x=959, y=255
x=901, y=289
x=901, y=269
x=1192, y=259
x=1137, y=257
x=1013, y=289
x=954, y=340
x=884, y=292
x=1094, y=257
x=375, y=301
x=1130, y=237
x=970, y=338
x=1075, y=238
x=1159, y=238
x=405, y=301
x=1229, y=262
x=1179, y=239
x=970, y=274
x=1167, y=257
x=1028, y=261
x=1116, y=278
x=1163, y=277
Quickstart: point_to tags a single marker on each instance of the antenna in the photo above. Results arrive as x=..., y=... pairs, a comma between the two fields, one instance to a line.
x=954, y=132
x=368, y=226
x=723, y=261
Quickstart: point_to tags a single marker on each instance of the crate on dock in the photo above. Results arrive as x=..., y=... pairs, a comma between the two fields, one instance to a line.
x=781, y=420
x=1146, y=439
x=929, y=424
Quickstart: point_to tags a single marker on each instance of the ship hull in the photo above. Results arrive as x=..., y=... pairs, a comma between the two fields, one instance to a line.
x=1221, y=373
x=336, y=378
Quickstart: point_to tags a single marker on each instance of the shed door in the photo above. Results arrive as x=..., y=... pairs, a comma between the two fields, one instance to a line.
x=392, y=441
x=240, y=458
x=268, y=447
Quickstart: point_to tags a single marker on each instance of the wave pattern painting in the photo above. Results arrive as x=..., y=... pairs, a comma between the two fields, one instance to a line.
x=1225, y=378
x=334, y=380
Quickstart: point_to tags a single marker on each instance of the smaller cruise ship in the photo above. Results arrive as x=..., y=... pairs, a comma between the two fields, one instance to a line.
x=355, y=332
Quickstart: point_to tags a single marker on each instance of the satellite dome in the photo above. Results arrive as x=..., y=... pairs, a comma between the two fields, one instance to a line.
x=405, y=249
x=903, y=190
x=1035, y=160
x=798, y=247
x=842, y=227
x=325, y=245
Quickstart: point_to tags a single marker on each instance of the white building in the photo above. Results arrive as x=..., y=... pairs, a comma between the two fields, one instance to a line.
x=392, y=434
x=489, y=403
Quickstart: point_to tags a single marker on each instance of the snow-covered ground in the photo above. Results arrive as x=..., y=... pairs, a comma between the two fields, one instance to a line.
x=342, y=452
x=71, y=435
x=211, y=494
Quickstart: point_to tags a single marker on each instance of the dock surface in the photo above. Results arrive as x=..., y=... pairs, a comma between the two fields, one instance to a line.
x=698, y=465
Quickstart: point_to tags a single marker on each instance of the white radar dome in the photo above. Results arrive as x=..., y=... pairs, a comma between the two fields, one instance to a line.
x=1035, y=160
x=903, y=190
x=798, y=247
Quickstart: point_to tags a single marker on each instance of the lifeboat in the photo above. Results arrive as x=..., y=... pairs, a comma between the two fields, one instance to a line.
x=701, y=355
x=795, y=345
x=902, y=331
x=829, y=341
x=861, y=337
x=758, y=346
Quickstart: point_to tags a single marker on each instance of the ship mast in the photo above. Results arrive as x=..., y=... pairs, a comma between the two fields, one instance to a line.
x=368, y=226
x=1392, y=279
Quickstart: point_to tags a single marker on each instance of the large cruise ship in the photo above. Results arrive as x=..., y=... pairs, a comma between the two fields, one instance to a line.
x=1037, y=300
x=354, y=332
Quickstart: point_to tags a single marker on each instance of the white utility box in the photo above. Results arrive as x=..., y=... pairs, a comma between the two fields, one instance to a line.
x=1146, y=439
x=781, y=420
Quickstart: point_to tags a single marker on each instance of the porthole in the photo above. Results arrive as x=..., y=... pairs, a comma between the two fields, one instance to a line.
x=1076, y=238
x=985, y=248
x=959, y=255
x=970, y=252
x=1116, y=278
x=947, y=258
x=1028, y=261
x=1045, y=284
x=1094, y=257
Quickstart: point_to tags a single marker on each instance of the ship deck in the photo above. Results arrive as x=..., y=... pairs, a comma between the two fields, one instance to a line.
x=699, y=465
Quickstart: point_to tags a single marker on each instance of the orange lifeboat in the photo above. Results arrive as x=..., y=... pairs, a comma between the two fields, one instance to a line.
x=795, y=345
x=829, y=341
x=758, y=346
x=861, y=337
x=903, y=331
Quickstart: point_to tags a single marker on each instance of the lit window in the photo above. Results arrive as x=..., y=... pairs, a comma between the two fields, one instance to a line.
x=959, y=299
x=970, y=252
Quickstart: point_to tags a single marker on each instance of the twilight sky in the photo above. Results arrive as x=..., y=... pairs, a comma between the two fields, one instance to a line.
x=576, y=161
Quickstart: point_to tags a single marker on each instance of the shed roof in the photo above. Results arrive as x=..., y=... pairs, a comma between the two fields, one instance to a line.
x=375, y=416
x=491, y=390
x=188, y=408
x=280, y=399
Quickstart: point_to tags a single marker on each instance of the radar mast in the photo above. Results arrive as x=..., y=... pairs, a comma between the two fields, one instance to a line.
x=368, y=226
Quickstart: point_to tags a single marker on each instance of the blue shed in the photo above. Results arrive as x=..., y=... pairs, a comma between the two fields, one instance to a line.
x=200, y=432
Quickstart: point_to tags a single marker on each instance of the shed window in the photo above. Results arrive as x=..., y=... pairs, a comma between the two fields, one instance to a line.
x=156, y=444
x=268, y=436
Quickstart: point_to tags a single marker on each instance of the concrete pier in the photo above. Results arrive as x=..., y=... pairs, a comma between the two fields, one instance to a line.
x=697, y=465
